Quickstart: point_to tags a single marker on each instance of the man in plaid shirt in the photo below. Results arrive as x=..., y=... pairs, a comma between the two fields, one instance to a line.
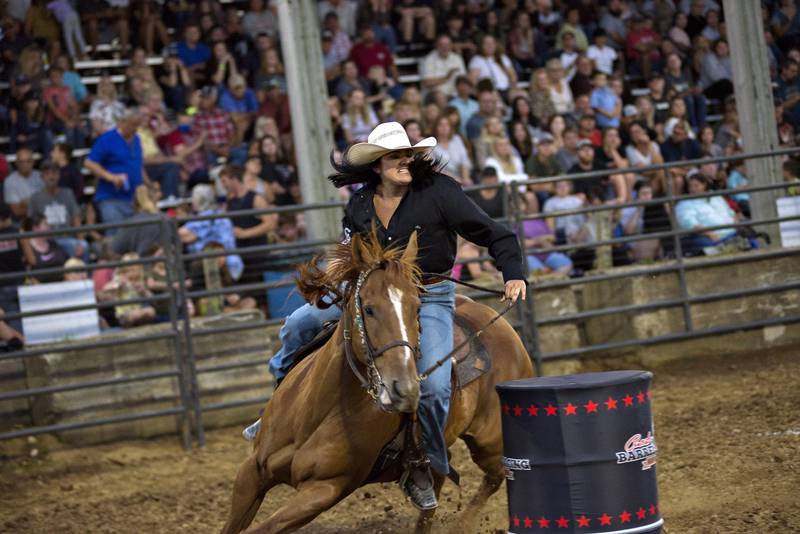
x=216, y=124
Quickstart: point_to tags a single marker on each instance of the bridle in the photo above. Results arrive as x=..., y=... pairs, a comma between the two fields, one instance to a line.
x=372, y=382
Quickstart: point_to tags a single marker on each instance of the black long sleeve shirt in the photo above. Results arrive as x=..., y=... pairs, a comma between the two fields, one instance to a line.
x=437, y=209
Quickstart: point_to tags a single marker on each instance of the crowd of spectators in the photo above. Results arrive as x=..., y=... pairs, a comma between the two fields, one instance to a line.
x=511, y=89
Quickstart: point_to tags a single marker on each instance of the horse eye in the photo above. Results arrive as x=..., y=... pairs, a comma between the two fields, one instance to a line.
x=369, y=311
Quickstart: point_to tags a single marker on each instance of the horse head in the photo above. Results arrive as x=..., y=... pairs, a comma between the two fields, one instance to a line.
x=380, y=320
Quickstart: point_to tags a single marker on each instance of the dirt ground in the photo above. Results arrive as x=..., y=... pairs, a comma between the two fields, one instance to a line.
x=728, y=431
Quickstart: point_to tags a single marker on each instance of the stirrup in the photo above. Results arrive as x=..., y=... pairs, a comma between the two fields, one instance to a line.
x=422, y=498
x=251, y=431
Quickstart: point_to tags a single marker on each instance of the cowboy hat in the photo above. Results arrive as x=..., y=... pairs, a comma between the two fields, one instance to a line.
x=386, y=137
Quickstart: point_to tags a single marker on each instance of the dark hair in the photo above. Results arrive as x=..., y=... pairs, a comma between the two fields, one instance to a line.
x=422, y=167
x=792, y=166
x=233, y=171
x=5, y=211
x=66, y=148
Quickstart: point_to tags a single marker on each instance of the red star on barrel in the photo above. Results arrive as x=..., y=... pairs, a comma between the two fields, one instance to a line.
x=543, y=523
x=570, y=408
x=563, y=522
x=653, y=509
x=528, y=522
x=605, y=519
x=611, y=404
x=625, y=517
x=551, y=410
x=641, y=513
x=628, y=400
x=506, y=409
x=516, y=521
x=517, y=410
x=583, y=521
x=640, y=397
x=533, y=411
x=591, y=406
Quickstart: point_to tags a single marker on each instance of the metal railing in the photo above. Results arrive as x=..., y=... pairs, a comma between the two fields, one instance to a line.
x=191, y=402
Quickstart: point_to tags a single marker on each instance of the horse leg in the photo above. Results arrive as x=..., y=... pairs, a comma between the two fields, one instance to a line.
x=425, y=519
x=488, y=455
x=248, y=491
x=311, y=499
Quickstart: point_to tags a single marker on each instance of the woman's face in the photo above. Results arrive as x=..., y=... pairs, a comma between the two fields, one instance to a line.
x=253, y=166
x=681, y=20
x=721, y=49
x=707, y=135
x=519, y=131
x=541, y=80
x=523, y=108
x=268, y=147
x=562, y=188
x=555, y=73
x=443, y=128
x=678, y=108
x=557, y=125
x=356, y=99
x=488, y=46
x=393, y=167
x=611, y=138
x=350, y=70
x=494, y=126
x=412, y=95
x=638, y=134
x=220, y=50
x=139, y=57
x=502, y=147
x=674, y=62
x=696, y=186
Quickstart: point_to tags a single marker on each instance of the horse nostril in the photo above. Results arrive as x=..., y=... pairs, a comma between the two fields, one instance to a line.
x=401, y=394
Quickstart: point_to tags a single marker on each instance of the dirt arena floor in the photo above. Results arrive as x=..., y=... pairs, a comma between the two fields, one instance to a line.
x=728, y=431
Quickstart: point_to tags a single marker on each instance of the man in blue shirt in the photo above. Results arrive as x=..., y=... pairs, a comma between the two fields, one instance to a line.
x=464, y=103
x=116, y=160
x=606, y=104
x=240, y=101
x=192, y=52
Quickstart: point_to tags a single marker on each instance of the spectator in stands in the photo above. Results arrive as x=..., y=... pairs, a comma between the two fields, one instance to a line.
x=13, y=43
x=240, y=102
x=249, y=230
x=70, y=176
x=451, y=148
x=20, y=90
x=192, y=52
x=117, y=162
x=42, y=26
x=346, y=11
x=587, y=129
x=637, y=220
x=785, y=24
x=643, y=152
x=716, y=72
x=581, y=83
x=105, y=110
x=548, y=19
x=350, y=80
x=568, y=55
x=677, y=110
x=572, y=25
x=129, y=283
x=464, y=103
x=275, y=171
x=340, y=41
x=487, y=107
x=490, y=63
x=560, y=92
x=31, y=65
x=679, y=85
x=521, y=139
x=791, y=175
x=271, y=68
x=542, y=106
x=29, y=129
x=788, y=90
x=21, y=184
x=699, y=213
x=618, y=186
x=417, y=21
x=489, y=199
x=64, y=116
x=678, y=146
x=46, y=252
x=729, y=135
x=140, y=238
x=589, y=190
x=72, y=79
x=218, y=127
x=508, y=165
x=613, y=23
x=70, y=27
x=677, y=34
x=538, y=236
x=222, y=65
x=491, y=131
x=575, y=229
x=543, y=164
x=606, y=104
x=259, y=19
x=440, y=68
x=58, y=206
x=642, y=47
x=522, y=112
x=147, y=15
x=384, y=91
x=708, y=148
x=14, y=253
x=526, y=44
x=160, y=167
x=368, y=52
x=196, y=235
x=737, y=179
x=275, y=105
x=359, y=118
x=600, y=53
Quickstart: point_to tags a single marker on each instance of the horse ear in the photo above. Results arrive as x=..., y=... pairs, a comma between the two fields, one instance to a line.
x=410, y=253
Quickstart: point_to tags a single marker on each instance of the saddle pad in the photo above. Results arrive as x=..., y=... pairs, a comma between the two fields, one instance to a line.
x=474, y=358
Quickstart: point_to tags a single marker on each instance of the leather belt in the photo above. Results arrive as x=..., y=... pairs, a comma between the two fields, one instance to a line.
x=435, y=278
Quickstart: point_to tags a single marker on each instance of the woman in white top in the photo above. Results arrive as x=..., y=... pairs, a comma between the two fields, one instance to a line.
x=643, y=152
x=359, y=118
x=560, y=92
x=105, y=109
x=491, y=63
x=508, y=165
x=450, y=147
x=491, y=131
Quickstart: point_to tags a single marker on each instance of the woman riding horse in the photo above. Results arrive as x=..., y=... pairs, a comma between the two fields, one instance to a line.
x=404, y=192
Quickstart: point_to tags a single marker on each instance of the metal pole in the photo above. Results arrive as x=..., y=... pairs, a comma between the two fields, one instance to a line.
x=676, y=240
x=753, y=91
x=190, y=367
x=168, y=247
x=311, y=124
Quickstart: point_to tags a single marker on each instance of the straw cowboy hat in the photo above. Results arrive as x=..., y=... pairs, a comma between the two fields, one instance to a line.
x=386, y=137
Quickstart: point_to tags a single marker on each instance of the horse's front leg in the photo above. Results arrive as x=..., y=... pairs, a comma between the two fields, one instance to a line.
x=311, y=499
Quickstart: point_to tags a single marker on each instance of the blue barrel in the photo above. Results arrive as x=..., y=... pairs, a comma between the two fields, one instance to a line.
x=580, y=454
x=282, y=301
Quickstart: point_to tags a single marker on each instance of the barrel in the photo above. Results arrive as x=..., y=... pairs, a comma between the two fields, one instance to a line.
x=579, y=454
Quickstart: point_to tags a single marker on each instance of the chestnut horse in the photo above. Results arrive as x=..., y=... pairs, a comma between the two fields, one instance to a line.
x=322, y=432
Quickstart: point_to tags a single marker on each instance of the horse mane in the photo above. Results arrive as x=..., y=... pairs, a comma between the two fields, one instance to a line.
x=345, y=261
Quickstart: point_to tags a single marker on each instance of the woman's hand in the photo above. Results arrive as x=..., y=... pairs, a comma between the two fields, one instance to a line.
x=515, y=288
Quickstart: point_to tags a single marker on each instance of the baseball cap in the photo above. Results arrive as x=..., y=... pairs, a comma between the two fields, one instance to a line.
x=630, y=110
x=488, y=171
x=584, y=142
x=327, y=35
x=208, y=91
x=544, y=138
x=48, y=165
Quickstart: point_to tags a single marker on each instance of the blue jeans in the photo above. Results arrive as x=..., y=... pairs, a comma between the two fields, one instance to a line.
x=114, y=211
x=168, y=175
x=70, y=244
x=436, y=340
